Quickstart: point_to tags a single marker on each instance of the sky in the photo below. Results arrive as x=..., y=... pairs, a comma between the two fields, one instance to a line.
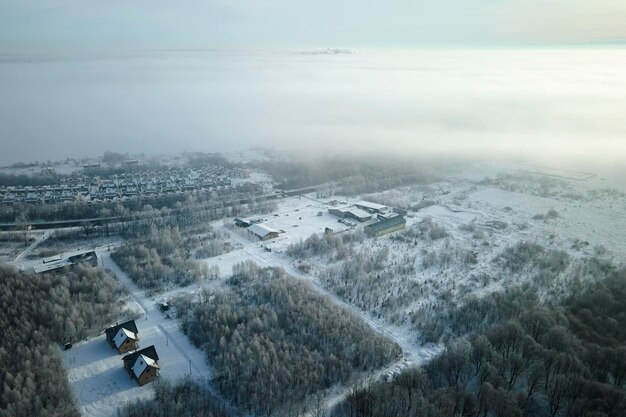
x=299, y=23
x=538, y=78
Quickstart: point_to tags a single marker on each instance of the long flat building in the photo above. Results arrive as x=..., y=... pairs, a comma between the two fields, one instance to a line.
x=386, y=226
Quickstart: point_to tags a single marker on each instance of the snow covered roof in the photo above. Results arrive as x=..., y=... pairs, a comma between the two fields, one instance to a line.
x=111, y=332
x=142, y=363
x=122, y=335
x=383, y=224
x=357, y=212
x=51, y=266
x=261, y=230
x=373, y=206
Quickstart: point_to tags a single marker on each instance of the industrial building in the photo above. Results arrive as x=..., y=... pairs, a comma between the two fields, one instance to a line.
x=350, y=213
x=385, y=226
x=371, y=207
x=262, y=231
x=58, y=263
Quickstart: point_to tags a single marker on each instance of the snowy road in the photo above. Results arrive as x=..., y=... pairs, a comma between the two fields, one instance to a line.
x=31, y=247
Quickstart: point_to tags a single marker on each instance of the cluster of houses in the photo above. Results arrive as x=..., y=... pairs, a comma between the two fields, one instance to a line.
x=142, y=365
x=388, y=219
x=135, y=185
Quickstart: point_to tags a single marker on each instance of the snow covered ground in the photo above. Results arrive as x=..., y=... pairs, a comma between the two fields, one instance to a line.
x=480, y=217
x=95, y=370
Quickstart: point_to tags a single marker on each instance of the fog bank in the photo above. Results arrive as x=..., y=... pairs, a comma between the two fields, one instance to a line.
x=546, y=105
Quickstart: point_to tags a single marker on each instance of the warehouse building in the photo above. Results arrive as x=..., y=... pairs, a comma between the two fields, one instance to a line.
x=385, y=226
x=262, y=231
x=350, y=213
x=371, y=207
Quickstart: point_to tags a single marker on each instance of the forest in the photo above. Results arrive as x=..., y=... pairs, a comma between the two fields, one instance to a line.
x=163, y=259
x=555, y=361
x=39, y=314
x=274, y=341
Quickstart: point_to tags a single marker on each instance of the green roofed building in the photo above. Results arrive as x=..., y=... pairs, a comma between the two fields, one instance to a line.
x=385, y=226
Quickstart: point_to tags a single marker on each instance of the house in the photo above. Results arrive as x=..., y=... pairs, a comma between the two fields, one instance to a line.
x=350, y=213
x=262, y=231
x=125, y=340
x=142, y=365
x=383, y=227
x=123, y=337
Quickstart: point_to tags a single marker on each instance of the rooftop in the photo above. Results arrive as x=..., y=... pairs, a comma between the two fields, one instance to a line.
x=261, y=230
x=383, y=224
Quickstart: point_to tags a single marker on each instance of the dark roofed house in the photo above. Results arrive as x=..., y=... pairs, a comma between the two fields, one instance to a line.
x=142, y=365
x=385, y=226
x=123, y=337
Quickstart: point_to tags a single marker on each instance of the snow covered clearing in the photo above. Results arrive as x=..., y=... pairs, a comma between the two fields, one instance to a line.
x=98, y=379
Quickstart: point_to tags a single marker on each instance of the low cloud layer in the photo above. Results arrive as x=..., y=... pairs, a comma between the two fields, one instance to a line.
x=543, y=104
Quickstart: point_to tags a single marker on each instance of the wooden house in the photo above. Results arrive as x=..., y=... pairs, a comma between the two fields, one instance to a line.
x=123, y=337
x=142, y=365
